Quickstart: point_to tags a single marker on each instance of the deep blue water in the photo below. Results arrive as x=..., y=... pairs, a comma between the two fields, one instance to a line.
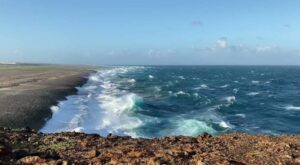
x=157, y=101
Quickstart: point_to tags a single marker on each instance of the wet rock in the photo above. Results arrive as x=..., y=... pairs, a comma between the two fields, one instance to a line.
x=4, y=150
x=50, y=154
x=206, y=135
x=19, y=153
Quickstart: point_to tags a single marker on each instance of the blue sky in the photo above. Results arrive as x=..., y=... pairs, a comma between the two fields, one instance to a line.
x=150, y=32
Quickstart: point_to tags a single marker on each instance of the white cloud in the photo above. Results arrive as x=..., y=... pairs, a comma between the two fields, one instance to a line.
x=222, y=43
x=266, y=49
x=223, y=46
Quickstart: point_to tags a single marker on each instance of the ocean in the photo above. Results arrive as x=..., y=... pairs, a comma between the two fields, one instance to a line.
x=156, y=101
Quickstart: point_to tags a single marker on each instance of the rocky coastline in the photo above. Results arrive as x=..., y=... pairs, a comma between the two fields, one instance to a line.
x=26, y=146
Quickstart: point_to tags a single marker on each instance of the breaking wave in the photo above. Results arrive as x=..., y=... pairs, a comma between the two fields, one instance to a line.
x=100, y=108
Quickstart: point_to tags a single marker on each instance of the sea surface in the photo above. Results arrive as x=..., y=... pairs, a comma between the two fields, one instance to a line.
x=155, y=101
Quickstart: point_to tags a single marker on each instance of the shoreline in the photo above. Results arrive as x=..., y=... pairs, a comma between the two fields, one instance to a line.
x=26, y=146
x=29, y=91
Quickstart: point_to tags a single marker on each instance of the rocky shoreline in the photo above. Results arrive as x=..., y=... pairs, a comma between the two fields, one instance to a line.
x=26, y=146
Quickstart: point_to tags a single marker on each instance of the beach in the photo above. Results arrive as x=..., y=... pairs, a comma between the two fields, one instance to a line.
x=28, y=91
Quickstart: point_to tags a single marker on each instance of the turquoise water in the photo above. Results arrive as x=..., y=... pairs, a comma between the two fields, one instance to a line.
x=155, y=101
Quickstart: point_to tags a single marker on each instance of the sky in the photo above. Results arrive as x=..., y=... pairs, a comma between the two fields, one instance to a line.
x=151, y=32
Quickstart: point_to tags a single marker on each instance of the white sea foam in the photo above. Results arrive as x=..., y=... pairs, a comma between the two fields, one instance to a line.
x=255, y=82
x=241, y=115
x=150, y=76
x=223, y=124
x=181, y=77
x=292, y=107
x=196, y=95
x=253, y=93
x=235, y=90
x=131, y=81
x=54, y=109
x=202, y=86
x=224, y=86
x=181, y=93
x=94, y=78
x=230, y=99
x=101, y=108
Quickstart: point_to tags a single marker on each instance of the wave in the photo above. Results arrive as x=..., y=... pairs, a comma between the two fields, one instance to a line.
x=181, y=93
x=192, y=127
x=235, y=90
x=241, y=115
x=131, y=81
x=181, y=77
x=230, y=99
x=100, y=108
x=292, y=107
x=202, y=86
x=255, y=82
x=224, y=86
x=253, y=93
x=223, y=124
x=151, y=77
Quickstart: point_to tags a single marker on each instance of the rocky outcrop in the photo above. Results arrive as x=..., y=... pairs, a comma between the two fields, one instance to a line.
x=26, y=146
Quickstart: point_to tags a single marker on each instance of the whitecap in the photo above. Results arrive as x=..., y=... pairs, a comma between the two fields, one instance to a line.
x=181, y=77
x=131, y=81
x=202, y=86
x=150, y=76
x=224, y=86
x=235, y=90
x=253, y=93
x=292, y=107
x=196, y=95
x=181, y=93
x=230, y=99
x=241, y=115
x=255, y=82
x=223, y=124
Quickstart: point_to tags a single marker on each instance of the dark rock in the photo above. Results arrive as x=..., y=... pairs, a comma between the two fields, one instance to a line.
x=206, y=135
x=50, y=154
x=4, y=150
x=19, y=153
